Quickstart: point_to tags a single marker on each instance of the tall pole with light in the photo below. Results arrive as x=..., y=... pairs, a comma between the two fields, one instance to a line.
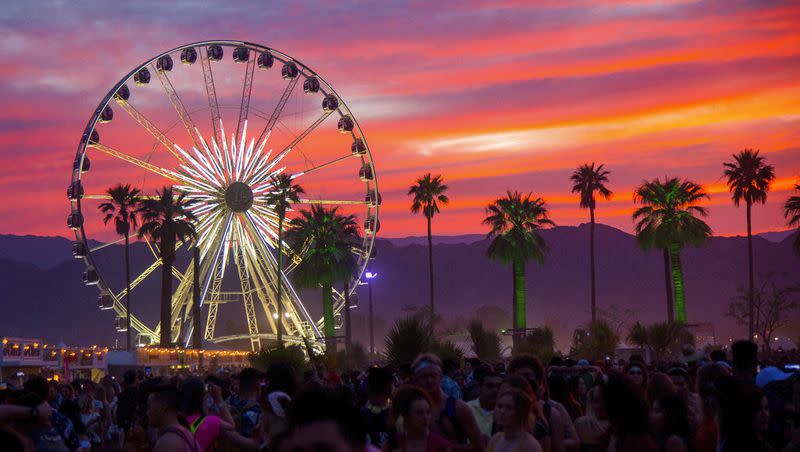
x=370, y=276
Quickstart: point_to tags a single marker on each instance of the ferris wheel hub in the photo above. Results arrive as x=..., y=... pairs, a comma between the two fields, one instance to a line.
x=239, y=197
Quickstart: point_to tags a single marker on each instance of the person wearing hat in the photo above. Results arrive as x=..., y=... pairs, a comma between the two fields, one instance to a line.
x=770, y=374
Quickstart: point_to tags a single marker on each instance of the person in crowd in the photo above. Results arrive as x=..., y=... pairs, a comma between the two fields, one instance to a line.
x=593, y=427
x=659, y=385
x=471, y=388
x=562, y=431
x=483, y=407
x=413, y=405
x=449, y=385
x=628, y=414
x=206, y=428
x=577, y=390
x=680, y=378
x=559, y=392
x=451, y=417
x=707, y=434
x=32, y=416
x=676, y=431
x=745, y=361
x=537, y=425
x=739, y=404
x=62, y=424
x=244, y=405
x=163, y=414
x=325, y=420
x=513, y=414
x=636, y=370
x=91, y=420
x=127, y=400
x=376, y=411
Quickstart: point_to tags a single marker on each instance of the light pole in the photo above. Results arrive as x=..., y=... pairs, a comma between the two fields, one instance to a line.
x=370, y=276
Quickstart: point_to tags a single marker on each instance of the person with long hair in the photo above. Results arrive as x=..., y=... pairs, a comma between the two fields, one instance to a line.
x=513, y=414
x=593, y=427
x=676, y=433
x=537, y=425
x=414, y=406
x=628, y=414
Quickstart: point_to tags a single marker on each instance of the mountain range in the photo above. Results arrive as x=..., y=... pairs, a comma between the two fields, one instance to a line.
x=42, y=295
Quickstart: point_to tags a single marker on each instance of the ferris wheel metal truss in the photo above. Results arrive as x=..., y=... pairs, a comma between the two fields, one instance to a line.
x=226, y=180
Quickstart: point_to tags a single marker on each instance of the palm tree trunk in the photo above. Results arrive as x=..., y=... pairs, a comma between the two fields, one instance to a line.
x=430, y=277
x=677, y=281
x=518, y=309
x=591, y=262
x=196, y=322
x=128, y=293
x=167, y=258
x=278, y=302
x=751, y=315
x=347, y=327
x=668, y=284
x=327, y=316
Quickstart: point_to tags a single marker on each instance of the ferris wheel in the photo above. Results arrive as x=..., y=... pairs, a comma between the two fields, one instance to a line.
x=216, y=120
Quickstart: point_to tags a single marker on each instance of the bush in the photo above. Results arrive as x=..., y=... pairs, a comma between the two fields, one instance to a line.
x=596, y=342
x=538, y=342
x=485, y=344
x=294, y=355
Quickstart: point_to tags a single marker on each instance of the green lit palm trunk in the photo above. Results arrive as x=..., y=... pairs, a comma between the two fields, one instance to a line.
x=327, y=316
x=278, y=302
x=677, y=282
x=518, y=308
x=668, y=286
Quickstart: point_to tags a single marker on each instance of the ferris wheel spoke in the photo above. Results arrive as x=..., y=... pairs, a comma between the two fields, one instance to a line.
x=276, y=113
x=247, y=88
x=319, y=167
x=292, y=302
x=142, y=276
x=267, y=268
x=247, y=299
x=302, y=136
x=177, y=104
x=163, y=172
x=331, y=202
x=150, y=127
x=107, y=244
x=211, y=93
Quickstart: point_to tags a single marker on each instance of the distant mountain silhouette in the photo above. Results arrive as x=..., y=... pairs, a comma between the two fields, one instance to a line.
x=43, y=296
x=777, y=236
x=465, y=239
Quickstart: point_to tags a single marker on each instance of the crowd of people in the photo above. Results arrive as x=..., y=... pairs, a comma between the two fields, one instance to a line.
x=715, y=404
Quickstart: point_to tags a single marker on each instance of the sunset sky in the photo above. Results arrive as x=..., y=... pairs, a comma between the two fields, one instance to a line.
x=492, y=95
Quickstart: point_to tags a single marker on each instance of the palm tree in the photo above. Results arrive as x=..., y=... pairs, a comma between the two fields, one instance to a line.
x=749, y=178
x=668, y=220
x=122, y=209
x=514, y=223
x=427, y=193
x=319, y=234
x=283, y=193
x=792, y=213
x=167, y=220
x=588, y=180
